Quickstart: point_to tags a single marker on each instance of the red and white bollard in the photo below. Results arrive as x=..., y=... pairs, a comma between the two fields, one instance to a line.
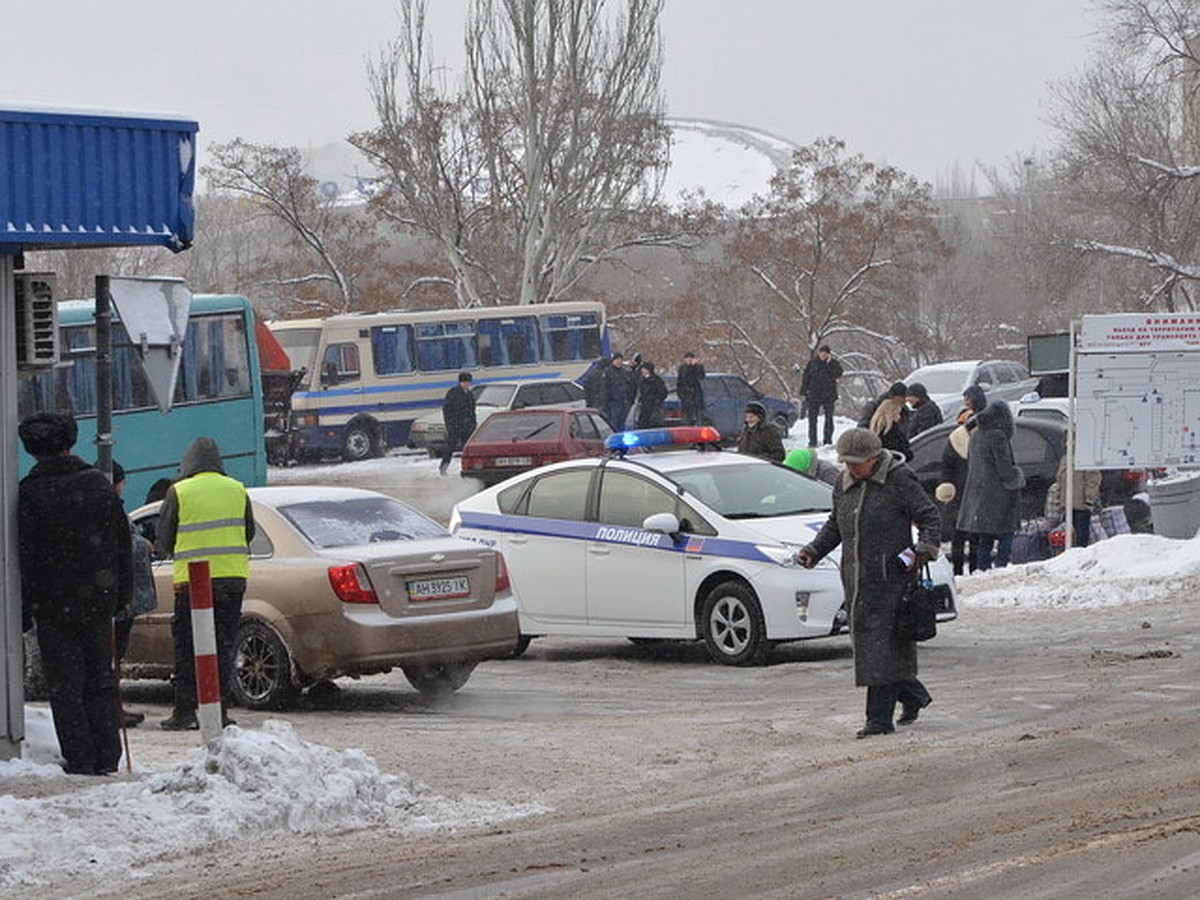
x=204, y=649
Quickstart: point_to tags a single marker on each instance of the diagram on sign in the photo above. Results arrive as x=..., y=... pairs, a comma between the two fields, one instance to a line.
x=1140, y=409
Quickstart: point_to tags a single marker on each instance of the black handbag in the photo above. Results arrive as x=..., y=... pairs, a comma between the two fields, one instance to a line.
x=919, y=606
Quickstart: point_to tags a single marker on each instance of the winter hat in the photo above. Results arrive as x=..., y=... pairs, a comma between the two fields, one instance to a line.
x=899, y=389
x=916, y=389
x=945, y=491
x=48, y=434
x=649, y=367
x=959, y=438
x=857, y=445
x=800, y=459
x=824, y=348
x=118, y=472
x=758, y=409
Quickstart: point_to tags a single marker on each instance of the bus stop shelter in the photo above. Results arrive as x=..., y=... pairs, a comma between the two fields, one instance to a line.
x=72, y=179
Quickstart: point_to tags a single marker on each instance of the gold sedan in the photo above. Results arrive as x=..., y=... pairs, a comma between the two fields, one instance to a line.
x=345, y=582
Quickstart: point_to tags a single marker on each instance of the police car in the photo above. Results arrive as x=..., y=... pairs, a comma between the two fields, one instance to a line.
x=689, y=543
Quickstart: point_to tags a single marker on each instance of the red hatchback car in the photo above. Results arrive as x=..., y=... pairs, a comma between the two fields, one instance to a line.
x=513, y=441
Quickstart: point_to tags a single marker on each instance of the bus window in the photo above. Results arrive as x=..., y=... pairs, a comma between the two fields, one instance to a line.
x=215, y=360
x=570, y=336
x=445, y=346
x=392, y=347
x=340, y=364
x=508, y=342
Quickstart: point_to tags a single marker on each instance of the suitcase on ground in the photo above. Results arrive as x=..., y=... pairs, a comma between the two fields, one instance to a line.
x=1031, y=543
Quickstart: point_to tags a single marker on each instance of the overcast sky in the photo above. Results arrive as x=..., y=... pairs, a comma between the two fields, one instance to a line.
x=922, y=84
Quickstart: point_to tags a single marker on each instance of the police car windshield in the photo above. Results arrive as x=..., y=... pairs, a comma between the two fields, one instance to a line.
x=754, y=490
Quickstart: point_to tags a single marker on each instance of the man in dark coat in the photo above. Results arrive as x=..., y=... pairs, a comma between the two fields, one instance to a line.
x=818, y=386
x=595, y=384
x=458, y=412
x=876, y=502
x=652, y=391
x=759, y=437
x=887, y=415
x=990, y=505
x=925, y=413
x=619, y=390
x=76, y=562
x=689, y=386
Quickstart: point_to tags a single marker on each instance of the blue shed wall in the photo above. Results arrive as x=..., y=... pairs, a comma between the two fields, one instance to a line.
x=92, y=179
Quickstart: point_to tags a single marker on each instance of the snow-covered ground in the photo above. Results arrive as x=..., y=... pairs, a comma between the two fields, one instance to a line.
x=268, y=780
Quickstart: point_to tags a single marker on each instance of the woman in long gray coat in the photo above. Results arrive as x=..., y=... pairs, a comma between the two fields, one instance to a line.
x=876, y=501
x=990, y=507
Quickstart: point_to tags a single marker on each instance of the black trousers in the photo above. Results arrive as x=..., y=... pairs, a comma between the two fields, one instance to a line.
x=78, y=660
x=454, y=441
x=881, y=699
x=814, y=410
x=227, y=612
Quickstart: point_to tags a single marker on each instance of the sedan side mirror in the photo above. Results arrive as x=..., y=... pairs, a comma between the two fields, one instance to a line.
x=664, y=523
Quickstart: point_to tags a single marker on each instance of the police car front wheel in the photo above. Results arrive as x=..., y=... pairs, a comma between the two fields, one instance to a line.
x=734, y=631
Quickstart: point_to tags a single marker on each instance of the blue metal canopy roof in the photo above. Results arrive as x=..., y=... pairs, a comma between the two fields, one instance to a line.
x=95, y=179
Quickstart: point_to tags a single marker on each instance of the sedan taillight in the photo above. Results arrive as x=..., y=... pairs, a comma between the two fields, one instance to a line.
x=352, y=584
x=502, y=582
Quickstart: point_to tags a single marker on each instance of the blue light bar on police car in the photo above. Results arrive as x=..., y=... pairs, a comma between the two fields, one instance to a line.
x=662, y=437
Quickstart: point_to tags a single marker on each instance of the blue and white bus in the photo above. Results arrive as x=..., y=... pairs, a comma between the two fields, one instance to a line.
x=218, y=394
x=368, y=375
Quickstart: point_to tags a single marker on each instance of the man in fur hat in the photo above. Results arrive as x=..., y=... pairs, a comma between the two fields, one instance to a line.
x=76, y=564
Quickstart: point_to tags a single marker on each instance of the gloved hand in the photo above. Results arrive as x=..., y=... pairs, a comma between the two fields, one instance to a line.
x=1098, y=505
x=805, y=558
x=920, y=561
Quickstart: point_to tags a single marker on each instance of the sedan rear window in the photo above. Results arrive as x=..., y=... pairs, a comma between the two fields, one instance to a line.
x=359, y=520
x=525, y=427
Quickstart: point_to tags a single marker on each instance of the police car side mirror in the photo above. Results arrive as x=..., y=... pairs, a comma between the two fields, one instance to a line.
x=665, y=523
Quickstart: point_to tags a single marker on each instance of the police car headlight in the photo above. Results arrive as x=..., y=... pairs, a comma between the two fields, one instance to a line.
x=784, y=556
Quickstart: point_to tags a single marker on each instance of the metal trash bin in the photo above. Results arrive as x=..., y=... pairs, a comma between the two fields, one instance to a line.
x=1175, y=507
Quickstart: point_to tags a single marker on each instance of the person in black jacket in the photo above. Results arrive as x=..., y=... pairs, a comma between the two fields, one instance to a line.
x=925, y=413
x=818, y=386
x=887, y=416
x=652, y=391
x=458, y=412
x=759, y=437
x=689, y=386
x=76, y=562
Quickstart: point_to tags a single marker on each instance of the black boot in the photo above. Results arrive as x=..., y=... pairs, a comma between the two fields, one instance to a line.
x=181, y=720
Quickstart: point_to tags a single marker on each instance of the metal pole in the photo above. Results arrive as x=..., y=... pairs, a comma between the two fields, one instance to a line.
x=1069, y=487
x=12, y=678
x=104, y=404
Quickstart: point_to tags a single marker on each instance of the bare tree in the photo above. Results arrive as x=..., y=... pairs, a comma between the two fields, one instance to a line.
x=1131, y=144
x=530, y=171
x=338, y=239
x=834, y=253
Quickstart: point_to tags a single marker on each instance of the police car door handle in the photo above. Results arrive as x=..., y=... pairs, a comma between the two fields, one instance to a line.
x=518, y=539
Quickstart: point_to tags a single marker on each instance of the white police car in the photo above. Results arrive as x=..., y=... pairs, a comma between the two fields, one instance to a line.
x=681, y=544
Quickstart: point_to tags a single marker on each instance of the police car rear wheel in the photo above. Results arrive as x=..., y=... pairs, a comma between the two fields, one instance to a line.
x=734, y=631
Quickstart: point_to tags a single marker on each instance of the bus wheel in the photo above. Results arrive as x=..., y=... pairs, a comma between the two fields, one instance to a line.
x=359, y=442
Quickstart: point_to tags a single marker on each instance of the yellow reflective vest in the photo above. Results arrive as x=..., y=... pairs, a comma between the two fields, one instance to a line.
x=212, y=526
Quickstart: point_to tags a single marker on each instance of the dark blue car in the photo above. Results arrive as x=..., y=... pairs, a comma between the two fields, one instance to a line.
x=725, y=399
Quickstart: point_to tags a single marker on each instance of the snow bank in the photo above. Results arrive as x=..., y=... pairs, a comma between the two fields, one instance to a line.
x=1122, y=570
x=254, y=784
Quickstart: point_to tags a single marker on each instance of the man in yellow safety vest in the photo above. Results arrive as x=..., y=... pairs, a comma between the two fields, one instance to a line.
x=205, y=515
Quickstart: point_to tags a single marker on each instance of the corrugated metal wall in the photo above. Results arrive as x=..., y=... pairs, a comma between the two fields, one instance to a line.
x=84, y=179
